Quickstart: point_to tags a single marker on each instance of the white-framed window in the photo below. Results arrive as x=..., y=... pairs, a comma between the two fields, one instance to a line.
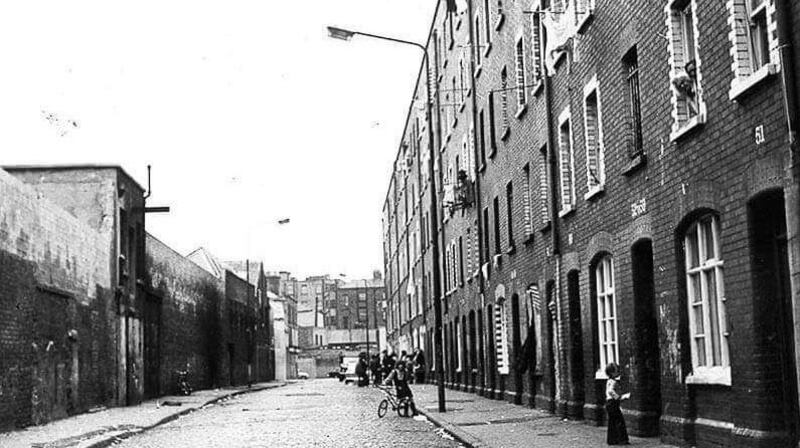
x=593, y=134
x=688, y=107
x=537, y=46
x=522, y=96
x=504, y=99
x=544, y=206
x=459, y=347
x=501, y=336
x=535, y=319
x=606, y=313
x=705, y=292
x=752, y=40
x=478, y=43
x=461, y=84
x=566, y=162
x=526, y=199
x=487, y=24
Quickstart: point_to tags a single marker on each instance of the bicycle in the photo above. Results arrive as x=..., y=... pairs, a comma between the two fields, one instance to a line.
x=402, y=405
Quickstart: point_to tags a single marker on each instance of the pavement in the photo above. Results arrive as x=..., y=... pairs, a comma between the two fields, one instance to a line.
x=480, y=422
x=109, y=425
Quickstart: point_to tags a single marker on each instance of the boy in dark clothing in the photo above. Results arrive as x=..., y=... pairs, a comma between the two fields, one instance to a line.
x=399, y=377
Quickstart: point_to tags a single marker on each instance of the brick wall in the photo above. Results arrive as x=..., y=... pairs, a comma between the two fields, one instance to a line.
x=58, y=330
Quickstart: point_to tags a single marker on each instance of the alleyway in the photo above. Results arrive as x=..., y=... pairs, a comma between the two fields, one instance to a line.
x=317, y=413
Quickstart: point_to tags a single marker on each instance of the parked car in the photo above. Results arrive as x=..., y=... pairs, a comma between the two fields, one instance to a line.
x=302, y=375
x=347, y=370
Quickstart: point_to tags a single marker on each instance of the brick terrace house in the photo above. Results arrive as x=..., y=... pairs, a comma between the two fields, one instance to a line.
x=618, y=183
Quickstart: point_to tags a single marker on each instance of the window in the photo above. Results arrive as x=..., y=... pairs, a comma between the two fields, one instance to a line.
x=566, y=163
x=634, y=137
x=520, y=72
x=492, y=123
x=536, y=46
x=501, y=337
x=606, y=313
x=595, y=156
x=750, y=37
x=459, y=346
x=510, y=214
x=496, y=204
x=482, y=137
x=487, y=30
x=486, y=231
x=536, y=319
x=461, y=260
x=544, y=206
x=461, y=86
x=469, y=252
x=526, y=199
x=478, y=50
x=504, y=101
x=688, y=109
x=706, y=300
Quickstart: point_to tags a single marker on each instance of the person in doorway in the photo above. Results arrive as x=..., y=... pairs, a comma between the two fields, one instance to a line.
x=399, y=377
x=617, y=431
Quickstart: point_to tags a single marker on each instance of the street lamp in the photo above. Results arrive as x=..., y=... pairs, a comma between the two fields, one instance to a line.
x=344, y=34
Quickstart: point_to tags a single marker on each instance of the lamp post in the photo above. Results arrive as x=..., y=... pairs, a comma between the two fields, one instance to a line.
x=344, y=34
x=366, y=303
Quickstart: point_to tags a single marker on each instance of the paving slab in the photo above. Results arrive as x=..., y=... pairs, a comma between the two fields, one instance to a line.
x=101, y=428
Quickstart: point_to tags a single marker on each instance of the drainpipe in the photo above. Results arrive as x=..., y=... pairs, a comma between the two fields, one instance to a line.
x=783, y=17
x=552, y=158
x=476, y=191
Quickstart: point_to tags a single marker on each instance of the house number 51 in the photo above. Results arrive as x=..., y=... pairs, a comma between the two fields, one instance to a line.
x=759, y=134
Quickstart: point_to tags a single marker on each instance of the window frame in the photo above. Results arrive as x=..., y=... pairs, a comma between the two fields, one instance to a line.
x=593, y=88
x=607, y=314
x=746, y=74
x=501, y=337
x=520, y=76
x=682, y=119
x=707, y=372
x=565, y=118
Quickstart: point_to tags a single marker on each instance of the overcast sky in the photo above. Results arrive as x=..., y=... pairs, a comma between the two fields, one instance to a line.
x=247, y=111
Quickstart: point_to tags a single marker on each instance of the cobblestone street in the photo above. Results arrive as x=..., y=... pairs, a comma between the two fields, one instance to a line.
x=316, y=413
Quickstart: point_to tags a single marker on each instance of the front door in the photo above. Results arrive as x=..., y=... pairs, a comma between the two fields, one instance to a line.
x=152, y=346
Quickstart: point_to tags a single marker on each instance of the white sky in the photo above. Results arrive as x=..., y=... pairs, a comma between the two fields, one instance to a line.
x=247, y=111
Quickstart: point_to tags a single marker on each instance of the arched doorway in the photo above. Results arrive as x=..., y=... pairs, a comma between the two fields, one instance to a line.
x=647, y=359
x=516, y=344
x=575, y=408
x=773, y=303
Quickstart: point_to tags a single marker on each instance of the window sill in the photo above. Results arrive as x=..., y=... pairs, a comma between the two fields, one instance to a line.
x=594, y=192
x=521, y=111
x=528, y=239
x=545, y=226
x=690, y=125
x=566, y=212
x=584, y=22
x=638, y=161
x=455, y=122
x=462, y=106
x=499, y=22
x=487, y=50
x=538, y=88
x=493, y=152
x=478, y=71
x=720, y=376
x=505, y=134
x=497, y=260
x=742, y=85
x=600, y=375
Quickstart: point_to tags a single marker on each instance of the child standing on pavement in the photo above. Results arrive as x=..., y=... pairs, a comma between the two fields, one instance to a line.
x=617, y=431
